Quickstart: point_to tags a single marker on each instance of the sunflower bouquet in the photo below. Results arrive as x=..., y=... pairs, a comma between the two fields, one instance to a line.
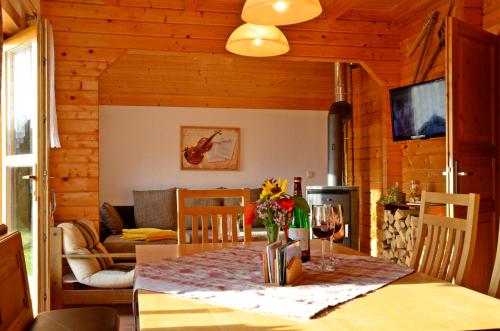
x=274, y=207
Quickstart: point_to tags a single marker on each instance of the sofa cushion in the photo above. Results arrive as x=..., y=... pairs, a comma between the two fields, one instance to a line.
x=110, y=218
x=115, y=244
x=127, y=215
x=156, y=209
x=81, y=238
x=254, y=196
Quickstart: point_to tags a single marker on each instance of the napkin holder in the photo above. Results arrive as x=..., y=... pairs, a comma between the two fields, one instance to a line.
x=293, y=272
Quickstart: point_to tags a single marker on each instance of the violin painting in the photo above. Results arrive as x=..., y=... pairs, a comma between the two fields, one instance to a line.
x=204, y=148
x=195, y=154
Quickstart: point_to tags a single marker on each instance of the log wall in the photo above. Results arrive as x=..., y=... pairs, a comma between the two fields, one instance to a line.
x=491, y=16
x=90, y=35
x=216, y=81
x=426, y=159
x=379, y=162
x=368, y=139
x=423, y=159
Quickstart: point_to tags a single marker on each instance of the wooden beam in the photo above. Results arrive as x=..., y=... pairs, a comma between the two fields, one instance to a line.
x=339, y=7
x=13, y=14
x=469, y=11
x=405, y=8
x=31, y=7
x=190, y=5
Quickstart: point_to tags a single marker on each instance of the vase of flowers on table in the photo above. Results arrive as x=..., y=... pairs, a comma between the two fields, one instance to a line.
x=274, y=208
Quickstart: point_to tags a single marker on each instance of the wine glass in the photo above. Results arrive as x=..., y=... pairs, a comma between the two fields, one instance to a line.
x=338, y=229
x=322, y=228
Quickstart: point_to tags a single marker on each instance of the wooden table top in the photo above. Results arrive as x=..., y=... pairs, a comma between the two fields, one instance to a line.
x=414, y=302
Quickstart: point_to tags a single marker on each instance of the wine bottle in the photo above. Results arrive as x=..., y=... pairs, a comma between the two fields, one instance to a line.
x=299, y=228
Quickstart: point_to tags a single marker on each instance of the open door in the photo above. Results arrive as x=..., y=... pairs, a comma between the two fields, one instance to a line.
x=473, y=104
x=24, y=150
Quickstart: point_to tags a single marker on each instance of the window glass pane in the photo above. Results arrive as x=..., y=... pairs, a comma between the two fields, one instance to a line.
x=19, y=192
x=21, y=87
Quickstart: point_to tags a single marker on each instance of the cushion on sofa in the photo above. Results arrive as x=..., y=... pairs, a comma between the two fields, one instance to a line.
x=127, y=215
x=156, y=209
x=110, y=218
x=254, y=196
x=81, y=238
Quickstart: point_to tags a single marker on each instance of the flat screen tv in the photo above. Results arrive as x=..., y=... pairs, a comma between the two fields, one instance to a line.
x=419, y=111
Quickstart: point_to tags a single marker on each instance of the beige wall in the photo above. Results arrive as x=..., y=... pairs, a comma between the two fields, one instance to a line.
x=139, y=148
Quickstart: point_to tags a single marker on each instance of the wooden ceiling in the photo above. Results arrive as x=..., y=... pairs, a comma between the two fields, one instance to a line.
x=216, y=80
x=331, y=8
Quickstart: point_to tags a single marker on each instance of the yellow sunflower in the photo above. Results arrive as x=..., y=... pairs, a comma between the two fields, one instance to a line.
x=273, y=189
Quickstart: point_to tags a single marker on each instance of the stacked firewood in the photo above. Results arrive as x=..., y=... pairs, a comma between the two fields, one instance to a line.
x=399, y=232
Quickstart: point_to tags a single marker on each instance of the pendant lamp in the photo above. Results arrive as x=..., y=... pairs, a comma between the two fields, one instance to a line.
x=280, y=12
x=257, y=40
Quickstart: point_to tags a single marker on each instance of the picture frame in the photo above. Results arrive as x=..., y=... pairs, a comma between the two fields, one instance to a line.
x=209, y=148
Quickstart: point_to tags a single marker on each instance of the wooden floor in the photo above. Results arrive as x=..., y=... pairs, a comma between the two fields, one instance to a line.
x=126, y=317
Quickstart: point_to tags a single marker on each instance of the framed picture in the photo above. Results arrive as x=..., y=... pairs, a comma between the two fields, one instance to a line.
x=210, y=148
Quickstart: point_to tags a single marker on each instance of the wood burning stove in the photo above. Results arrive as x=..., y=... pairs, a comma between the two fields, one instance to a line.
x=347, y=196
x=337, y=193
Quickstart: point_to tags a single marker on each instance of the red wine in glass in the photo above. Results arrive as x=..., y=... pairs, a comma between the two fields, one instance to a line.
x=338, y=225
x=322, y=231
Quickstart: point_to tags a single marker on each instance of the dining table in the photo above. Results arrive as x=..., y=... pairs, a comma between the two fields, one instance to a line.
x=414, y=302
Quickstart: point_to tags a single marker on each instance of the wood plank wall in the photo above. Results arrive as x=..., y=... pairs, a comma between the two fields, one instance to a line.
x=92, y=34
x=491, y=16
x=216, y=81
x=426, y=159
x=423, y=160
x=379, y=162
x=368, y=104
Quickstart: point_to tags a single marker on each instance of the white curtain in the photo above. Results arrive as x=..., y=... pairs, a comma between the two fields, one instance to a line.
x=53, y=130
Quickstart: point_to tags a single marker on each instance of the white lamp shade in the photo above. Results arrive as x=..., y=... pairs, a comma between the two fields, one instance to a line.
x=280, y=12
x=257, y=40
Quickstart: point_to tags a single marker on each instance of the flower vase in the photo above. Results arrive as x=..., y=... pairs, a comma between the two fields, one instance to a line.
x=285, y=233
x=272, y=232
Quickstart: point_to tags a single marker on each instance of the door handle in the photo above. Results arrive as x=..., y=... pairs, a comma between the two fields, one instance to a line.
x=459, y=173
x=464, y=173
x=35, y=189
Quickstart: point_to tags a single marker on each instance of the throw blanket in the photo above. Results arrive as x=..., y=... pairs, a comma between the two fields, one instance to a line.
x=148, y=234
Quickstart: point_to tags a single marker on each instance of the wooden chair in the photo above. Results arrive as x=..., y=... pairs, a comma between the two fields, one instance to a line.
x=15, y=303
x=222, y=215
x=494, y=289
x=64, y=288
x=445, y=245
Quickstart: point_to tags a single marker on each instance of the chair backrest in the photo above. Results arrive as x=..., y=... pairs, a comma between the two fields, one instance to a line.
x=445, y=245
x=494, y=289
x=15, y=302
x=222, y=215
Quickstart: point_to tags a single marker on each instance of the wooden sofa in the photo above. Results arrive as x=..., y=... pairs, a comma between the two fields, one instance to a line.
x=64, y=288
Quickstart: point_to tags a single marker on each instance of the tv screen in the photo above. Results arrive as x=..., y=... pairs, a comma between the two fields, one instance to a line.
x=419, y=111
